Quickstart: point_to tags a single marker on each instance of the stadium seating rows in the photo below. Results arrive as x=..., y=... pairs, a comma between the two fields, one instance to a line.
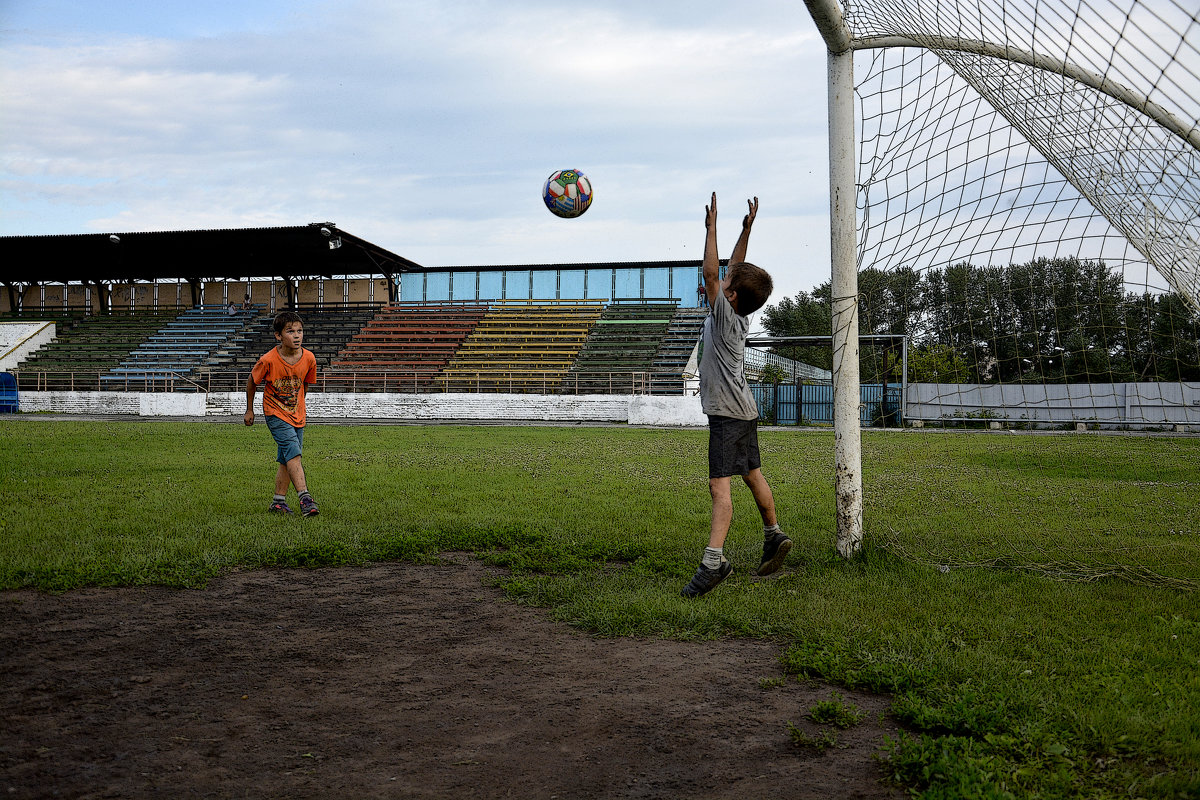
x=521, y=347
x=404, y=347
x=86, y=347
x=577, y=346
x=325, y=332
x=177, y=350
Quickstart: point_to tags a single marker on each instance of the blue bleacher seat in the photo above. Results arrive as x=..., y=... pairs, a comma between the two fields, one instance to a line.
x=9, y=402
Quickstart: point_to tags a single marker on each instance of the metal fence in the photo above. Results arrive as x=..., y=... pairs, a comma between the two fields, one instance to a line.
x=812, y=403
x=400, y=381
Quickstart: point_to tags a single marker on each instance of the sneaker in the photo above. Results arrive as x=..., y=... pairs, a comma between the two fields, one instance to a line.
x=308, y=507
x=706, y=579
x=775, y=550
x=279, y=507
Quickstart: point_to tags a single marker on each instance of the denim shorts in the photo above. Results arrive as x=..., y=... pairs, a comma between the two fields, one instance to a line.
x=732, y=446
x=289, y=439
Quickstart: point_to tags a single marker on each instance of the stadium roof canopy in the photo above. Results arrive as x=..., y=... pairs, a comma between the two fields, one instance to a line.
x=319, y=249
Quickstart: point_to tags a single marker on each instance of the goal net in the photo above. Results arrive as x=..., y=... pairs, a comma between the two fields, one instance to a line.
x=1028, y=217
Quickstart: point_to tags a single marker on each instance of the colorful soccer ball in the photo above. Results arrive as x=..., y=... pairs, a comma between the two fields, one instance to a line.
x=567, y=193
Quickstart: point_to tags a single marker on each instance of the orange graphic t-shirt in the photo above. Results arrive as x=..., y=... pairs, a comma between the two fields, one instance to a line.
x=283, y=384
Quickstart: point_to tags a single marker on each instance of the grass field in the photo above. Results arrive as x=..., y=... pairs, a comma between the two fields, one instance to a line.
x=1028, y=600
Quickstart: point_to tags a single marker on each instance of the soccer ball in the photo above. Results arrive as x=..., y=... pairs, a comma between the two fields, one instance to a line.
x=567, y=193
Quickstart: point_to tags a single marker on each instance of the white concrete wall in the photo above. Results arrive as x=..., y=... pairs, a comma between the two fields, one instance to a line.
x=666, y=410
x=471, y=406
x=633, y=409
x=19, y=339
x=156, y=404
x=1139, y=403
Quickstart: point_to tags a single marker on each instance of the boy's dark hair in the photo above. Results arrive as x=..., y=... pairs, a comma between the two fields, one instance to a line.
x=283, y=318
x=752, y=284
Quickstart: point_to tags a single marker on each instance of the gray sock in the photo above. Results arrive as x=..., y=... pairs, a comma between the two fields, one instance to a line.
x=771, y=530
x=280, y=498
x=713, y=556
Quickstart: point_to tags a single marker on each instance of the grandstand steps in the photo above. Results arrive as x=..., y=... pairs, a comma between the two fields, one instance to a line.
x=621, y=347
x=675, y=351
x=521, y=347
x=327, y=329
x=86, y=347
x=175, y=350
x=406, y=345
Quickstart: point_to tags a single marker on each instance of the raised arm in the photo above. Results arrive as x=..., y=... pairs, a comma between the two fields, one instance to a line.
x=739, y=249
x=712, y=264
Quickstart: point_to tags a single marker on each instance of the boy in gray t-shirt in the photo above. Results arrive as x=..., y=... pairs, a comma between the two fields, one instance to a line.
x=729, y=403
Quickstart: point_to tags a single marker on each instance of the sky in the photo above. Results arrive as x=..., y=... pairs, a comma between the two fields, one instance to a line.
x=425, y=127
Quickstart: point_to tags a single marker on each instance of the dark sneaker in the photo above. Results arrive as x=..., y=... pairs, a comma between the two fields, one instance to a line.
x=775, y=550
x=279, y=507
x=308, y=507
x=706, y=579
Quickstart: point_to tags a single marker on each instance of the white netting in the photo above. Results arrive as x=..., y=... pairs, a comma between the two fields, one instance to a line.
x=1020, y=162
x=1029, y=215
x=1027, y=219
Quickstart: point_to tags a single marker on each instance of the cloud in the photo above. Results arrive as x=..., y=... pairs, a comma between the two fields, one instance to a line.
x=428, y=127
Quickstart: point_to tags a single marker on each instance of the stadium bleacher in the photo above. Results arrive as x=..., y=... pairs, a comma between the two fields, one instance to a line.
x=327, y=330
x=620, y=349
x=86, y=347
x=173, y=353
x=669, y=367
x=522, y=346
x=404, y=347
x=568, y=346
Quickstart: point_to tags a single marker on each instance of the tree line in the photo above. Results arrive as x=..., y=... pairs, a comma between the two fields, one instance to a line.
x=1052, y=320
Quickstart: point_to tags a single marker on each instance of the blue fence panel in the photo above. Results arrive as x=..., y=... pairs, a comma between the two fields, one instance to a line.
x=874, y=406
x=814, y=402
x=599, y=284
x=462, y=286
x=9, y=401
x=490, y=284
x=776, y=403
x=516, y=284
x=629, y=282
x=656, y=282
x=684, y=281
x=437, y=286
x=570, y=284
x=545, y=284
x=412, y=287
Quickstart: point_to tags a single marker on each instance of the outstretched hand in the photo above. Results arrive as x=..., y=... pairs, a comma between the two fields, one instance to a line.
x=710, y=213
x=748, y=220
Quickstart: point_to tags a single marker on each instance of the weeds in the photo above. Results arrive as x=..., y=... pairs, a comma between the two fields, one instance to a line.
x=820, y=741
x=835, y=711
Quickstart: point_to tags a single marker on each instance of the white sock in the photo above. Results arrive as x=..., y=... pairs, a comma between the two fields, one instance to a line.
x=713, y=556
x=771, y=530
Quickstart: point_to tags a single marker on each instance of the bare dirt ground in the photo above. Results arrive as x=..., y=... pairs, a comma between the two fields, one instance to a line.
x=394, y=680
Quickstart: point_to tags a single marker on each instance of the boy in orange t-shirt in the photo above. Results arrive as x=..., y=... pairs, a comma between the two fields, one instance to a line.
x=284, y=371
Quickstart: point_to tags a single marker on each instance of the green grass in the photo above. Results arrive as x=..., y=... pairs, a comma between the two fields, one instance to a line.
x=1014, y=683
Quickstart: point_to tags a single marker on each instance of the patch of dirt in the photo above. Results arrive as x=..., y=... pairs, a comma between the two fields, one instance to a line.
x=394, y=680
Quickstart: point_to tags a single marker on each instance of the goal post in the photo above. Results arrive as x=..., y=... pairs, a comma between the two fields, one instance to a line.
x=843, y=220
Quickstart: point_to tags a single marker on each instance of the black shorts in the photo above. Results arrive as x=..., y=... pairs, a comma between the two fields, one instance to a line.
x=732, y=446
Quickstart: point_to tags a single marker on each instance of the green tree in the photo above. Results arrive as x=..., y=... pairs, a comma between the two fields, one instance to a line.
x=936, y=363
x=773, y=373
x=805, y=315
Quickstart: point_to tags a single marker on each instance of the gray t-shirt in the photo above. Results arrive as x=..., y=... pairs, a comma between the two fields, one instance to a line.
x=723, y=388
